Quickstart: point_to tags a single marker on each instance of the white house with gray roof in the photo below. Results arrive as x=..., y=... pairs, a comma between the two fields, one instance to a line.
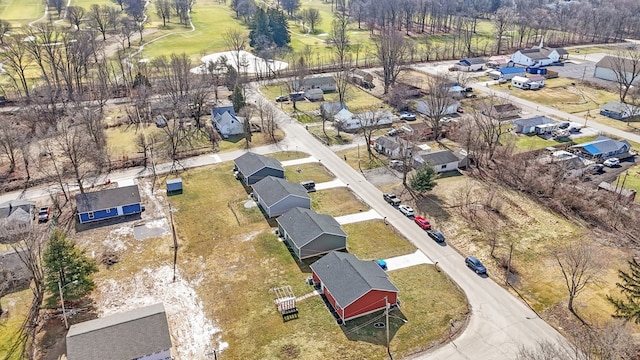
x=441, y=161
x=310, y=234
x=275, y=196
x=140, y=334
x=252, y=167
x=353, y=287
x=324, y=83
x=16, y=218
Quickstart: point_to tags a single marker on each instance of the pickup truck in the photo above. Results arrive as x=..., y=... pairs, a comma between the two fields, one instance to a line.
x=391, y=199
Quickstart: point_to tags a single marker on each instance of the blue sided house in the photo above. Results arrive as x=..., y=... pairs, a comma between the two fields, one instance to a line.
x=603, y=148
x=108, y=204
x=508, y=73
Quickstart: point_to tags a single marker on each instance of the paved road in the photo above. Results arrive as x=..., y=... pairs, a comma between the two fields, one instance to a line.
x=500, y=323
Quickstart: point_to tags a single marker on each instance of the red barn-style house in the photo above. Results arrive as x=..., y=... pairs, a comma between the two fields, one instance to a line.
x=353, y=287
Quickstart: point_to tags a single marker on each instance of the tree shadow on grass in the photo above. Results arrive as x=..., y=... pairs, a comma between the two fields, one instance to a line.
x=107, y=222
x=372, y=328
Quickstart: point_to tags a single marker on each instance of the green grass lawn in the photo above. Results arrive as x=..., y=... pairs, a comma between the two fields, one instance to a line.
x=630, y=180
x=331, y=137
x=310, y=171
x=366, y=162
x=236, y=296
x=21, y=12
x=336, y=202
x=210, y=19
x=87, y=3
x=16, y=307
x=568, y=98
x=529, y=142
x=356, y=99
x=383, y=245
x=288, y=155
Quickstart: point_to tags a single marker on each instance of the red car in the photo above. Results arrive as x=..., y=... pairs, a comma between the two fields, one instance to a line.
x=422, y=222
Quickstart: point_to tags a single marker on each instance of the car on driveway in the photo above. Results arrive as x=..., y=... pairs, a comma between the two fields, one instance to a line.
x=611, y=162
x=44, y=214
x=475, y=265
x=422, y=222
x=406, y=210
x=407, y=115
x=282, y=98
x=436, y=235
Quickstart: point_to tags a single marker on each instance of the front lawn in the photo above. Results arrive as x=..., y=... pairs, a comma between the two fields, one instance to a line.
x=336, y=202
x=373, y=239
x=308, y=171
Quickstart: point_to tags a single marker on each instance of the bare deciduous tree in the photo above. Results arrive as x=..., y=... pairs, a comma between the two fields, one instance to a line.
x=390, y=51
x=626, y=68
x=502, y=22
x=10, y=141
x=99, y=17
x=15, y=61
x=580, y=265
x=76, y=147
x=340, y=38
x=75, y=15
x=438, y=102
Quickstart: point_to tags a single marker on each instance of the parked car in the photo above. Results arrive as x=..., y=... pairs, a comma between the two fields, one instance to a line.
x=309, y=185
x=611, y=162
x=422, y=222
x=393, y=132
x=406, y=210
x=436, y=235
x=564, y=125
x=282, y=98
x=395, y=164
x=391, y=199
x=43, y=214
x=382, y=264
x=475, y=265
x=407, y=115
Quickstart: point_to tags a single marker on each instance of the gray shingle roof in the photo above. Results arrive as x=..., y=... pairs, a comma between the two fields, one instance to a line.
x=616, y=62
x=227, y=118
x=347, y=278
x=107, y=199
x=10, y=261
x=440, y=157
x=219, y=110
x=602, y=145
x=475, y=61
x=505, y=108
x=534, y=121
x=618, y=107
x=9, y=207
x=249, y=163
x=272, y=189
x=387, y=143
x=305, y=225
x=124, y=336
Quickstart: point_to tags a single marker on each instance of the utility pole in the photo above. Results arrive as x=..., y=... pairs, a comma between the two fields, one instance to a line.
x=175, y=243
x=506, y=278
x=386, y=326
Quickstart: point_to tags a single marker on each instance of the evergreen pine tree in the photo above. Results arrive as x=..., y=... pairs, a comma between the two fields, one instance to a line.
x=279, y=28
x=630, y=288
x=424, y=179
x=65, y=263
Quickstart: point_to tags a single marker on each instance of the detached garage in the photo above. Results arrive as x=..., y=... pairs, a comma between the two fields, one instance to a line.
x=353, y=287
x=310, y=234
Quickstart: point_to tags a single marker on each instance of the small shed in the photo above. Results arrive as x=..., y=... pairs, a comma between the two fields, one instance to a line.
x=174, y=186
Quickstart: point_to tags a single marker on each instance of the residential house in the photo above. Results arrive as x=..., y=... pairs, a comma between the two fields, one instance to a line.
x=603, y=148
x=329, y=109
x=394, y=147
x=252, y=167
x=619, y=111
x=140, y=334
x=219, y=109
x=450, y=107
x=507, y=73
x=496, y=62
x=314, y=94
x=348, y=121
x=310, y=234
x=502, y=112
x=526, y=83
x=353, y=287
x=470, y=64
x=457, y=92
x=418, y=132
x=324, y=83
x=441, y=161
x=14, y=272
x=108, y=204
x=539, y=56
x=275, y=196
x=362, y=78
x=611, y=68
x=228, y=124
x=367, y=76
x=535, y=125
x=16, y=218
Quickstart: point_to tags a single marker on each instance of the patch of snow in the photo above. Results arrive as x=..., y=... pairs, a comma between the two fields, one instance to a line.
x=250, y=204
x=248, y=62
x=122, y=231
x=159, y=223
x=127, y=182
x=191, y=331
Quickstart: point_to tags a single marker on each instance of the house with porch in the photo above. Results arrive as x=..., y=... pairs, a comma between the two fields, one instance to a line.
x=276, y=196
x=394, y=147
x=353, y=287
x=139, y=334
x=309, y=234
x=539, y=56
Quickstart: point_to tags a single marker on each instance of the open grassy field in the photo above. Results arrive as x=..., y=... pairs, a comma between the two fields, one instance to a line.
x=309, y=171
x=529, y=142
x=371, y=240
x=330, y=135
x=336, y=202
x=356, y=98
x=568, y=98
x=15, y=308
x=243, y=259
x=21, y=12
x=87, y=3
x=205, y=39
x=365, y=163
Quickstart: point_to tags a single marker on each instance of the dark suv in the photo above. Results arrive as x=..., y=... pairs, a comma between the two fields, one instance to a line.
x=475, y=265
x=391, y=199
